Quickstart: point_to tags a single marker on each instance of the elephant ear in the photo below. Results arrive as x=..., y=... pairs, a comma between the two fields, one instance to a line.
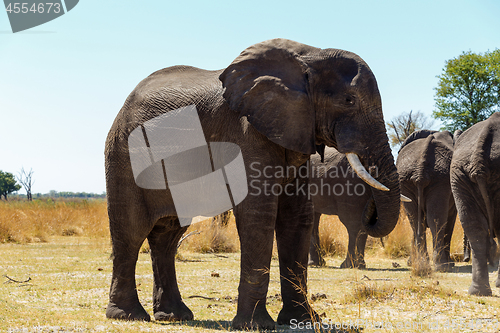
x=421, y=134
x=267, y=83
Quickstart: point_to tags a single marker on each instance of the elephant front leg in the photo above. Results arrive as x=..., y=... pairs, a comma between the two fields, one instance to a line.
x=167, y=301
x=293, y=233
x=255, y=221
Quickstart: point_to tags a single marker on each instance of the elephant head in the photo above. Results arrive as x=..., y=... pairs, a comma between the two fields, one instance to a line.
x=300, y=96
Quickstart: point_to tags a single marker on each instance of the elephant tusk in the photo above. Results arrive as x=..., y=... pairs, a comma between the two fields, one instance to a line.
x=405, y=198
x=362, y=173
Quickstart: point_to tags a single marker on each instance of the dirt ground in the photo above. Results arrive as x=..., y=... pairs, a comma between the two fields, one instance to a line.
x=62, y=286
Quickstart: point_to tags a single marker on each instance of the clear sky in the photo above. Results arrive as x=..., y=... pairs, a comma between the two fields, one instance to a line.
x=62, y=83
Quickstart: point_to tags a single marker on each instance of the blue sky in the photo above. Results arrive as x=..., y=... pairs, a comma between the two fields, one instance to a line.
x=62, y=83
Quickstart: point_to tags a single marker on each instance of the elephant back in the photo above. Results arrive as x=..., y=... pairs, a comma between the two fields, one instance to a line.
x=425, y=155
x=478, y=148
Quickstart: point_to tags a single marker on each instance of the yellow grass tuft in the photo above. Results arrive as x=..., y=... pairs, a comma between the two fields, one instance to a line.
x=333, y=237
x=25, y=222
x=398, y=243
x=212, y=238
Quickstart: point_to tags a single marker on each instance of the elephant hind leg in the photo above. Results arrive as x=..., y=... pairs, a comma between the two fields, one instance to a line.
x=360, y=249
x=123, y=299
x=355, y=257
x=167, y=301
x=315, y=255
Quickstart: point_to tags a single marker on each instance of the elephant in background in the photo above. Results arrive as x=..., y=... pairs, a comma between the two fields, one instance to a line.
x=423, y=165
x=277, y=101
x=341, y=192
x=475, y=183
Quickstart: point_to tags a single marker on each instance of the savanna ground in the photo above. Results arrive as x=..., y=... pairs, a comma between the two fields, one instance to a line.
x=56, y=272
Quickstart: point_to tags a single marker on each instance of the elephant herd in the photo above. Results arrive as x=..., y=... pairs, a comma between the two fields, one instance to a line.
x=440, y=173
x=280, y=102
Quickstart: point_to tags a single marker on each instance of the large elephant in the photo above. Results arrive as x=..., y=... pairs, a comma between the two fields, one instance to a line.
x=475, y=175
x=278, y=101
x=423, y=165
x=341, y=192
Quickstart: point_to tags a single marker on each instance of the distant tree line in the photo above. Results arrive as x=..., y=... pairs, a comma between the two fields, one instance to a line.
x=56, y=194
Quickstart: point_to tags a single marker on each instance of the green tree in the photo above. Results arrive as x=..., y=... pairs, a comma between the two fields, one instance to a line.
x=8, y=184
x=468, y=90
x=400, y=127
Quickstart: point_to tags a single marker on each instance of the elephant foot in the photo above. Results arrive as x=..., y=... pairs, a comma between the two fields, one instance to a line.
x=180, y=313
x=475, y=289
x=497, y=283
x=258, y=320
x=135, y=312
x=445, y=267
x=348, y=263
x=297, y=314
x=317, y=262
x=361, y=265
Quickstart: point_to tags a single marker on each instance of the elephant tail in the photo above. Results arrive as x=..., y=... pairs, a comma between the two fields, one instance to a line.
x=420, y=206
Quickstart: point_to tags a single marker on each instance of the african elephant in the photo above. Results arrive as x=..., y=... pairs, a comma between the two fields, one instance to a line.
x=277, y=101
x=474, y=177
x=423, y=165
x=341, y=192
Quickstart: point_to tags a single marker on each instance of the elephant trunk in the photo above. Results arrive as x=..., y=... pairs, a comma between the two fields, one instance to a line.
x=386, y=203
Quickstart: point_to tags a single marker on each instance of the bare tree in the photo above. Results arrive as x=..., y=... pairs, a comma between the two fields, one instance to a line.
x=402, y=126
x=26, y=180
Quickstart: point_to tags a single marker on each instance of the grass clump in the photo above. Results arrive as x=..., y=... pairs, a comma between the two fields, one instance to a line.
x=363, y=291
x=35, y=221
x=398, y=242
x=333, y=236
x=211, y=237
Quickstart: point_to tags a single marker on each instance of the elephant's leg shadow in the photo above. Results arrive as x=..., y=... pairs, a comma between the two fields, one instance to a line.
x=167, y=301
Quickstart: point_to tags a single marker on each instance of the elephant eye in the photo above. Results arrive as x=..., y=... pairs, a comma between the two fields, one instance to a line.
x=350, y=100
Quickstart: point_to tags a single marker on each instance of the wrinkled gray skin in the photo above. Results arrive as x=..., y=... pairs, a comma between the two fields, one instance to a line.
x=475, y=182
x=341, y=192
x=276, y=101
x=493, y=254
x=423, y=165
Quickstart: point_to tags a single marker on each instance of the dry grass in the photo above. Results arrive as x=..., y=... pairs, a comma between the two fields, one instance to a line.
x=36, y=221
x=69, y=285
x=333, y=236
x=212, y=238
x=398, y=243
